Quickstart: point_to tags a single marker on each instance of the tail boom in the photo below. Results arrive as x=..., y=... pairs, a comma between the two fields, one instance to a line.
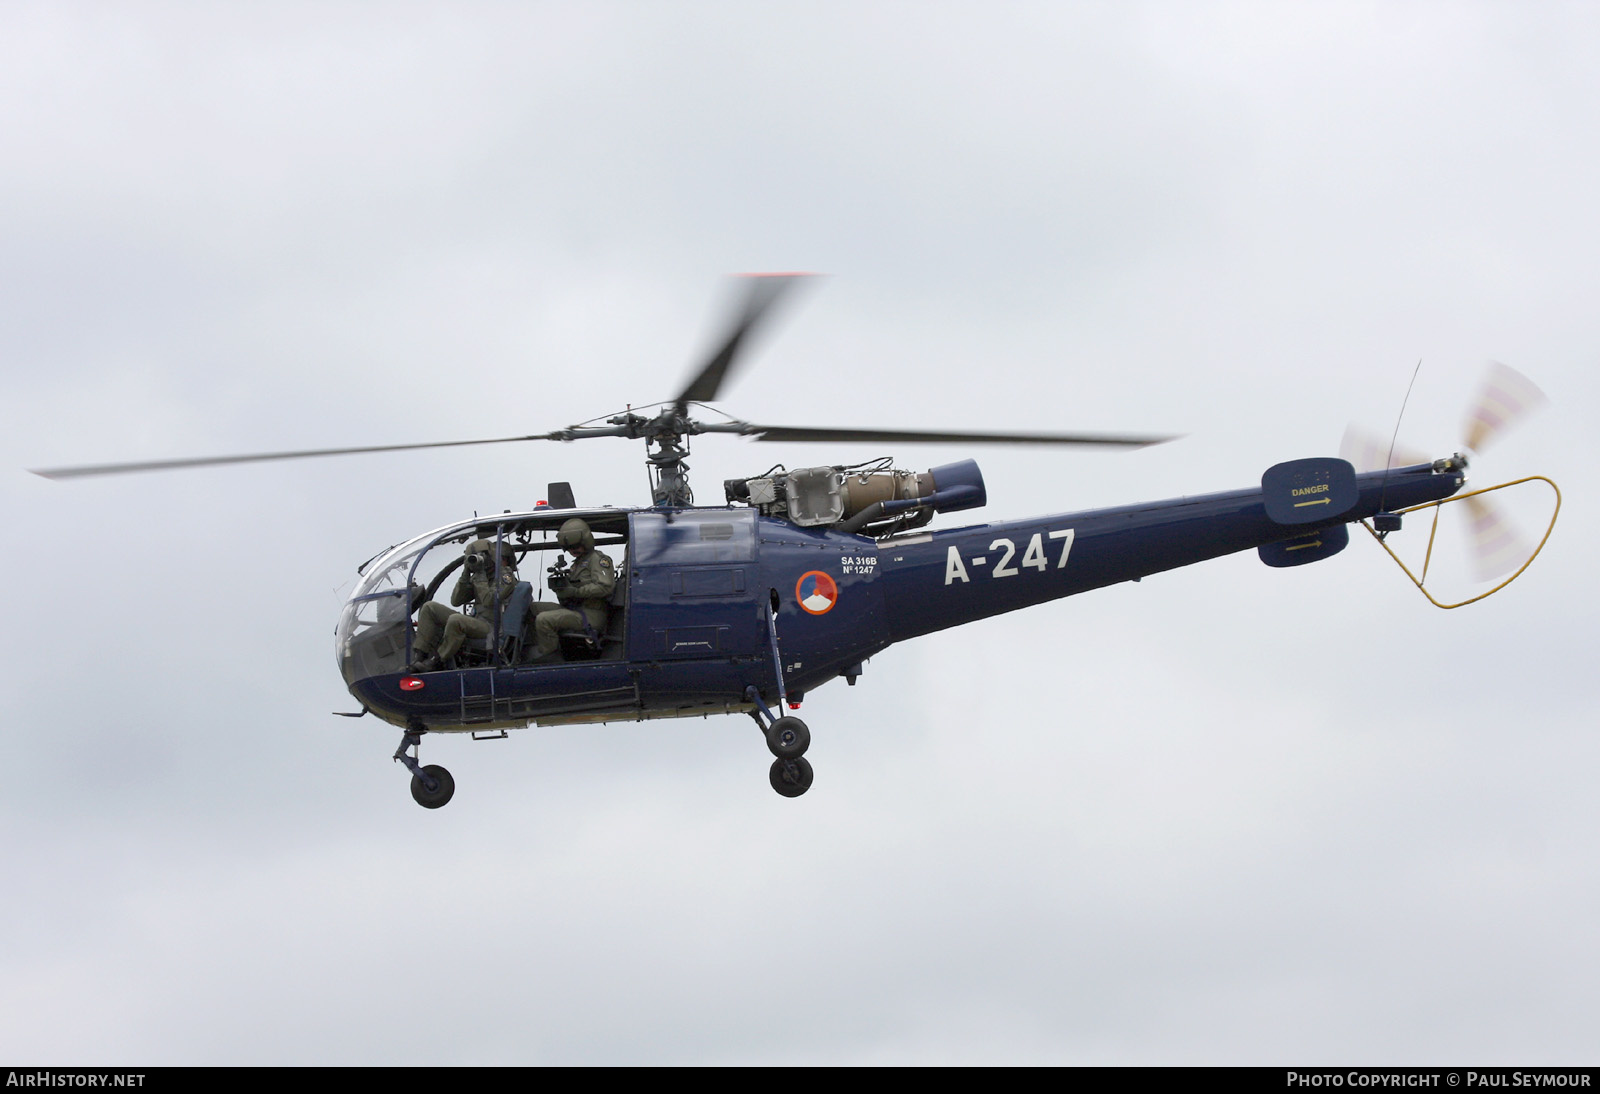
x=944, y=579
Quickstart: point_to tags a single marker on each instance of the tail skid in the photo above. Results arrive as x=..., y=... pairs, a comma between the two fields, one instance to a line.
x=1421, y=581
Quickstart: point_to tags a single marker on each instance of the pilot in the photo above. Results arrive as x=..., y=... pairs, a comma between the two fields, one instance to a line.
x=440, y=631
x=584, y=591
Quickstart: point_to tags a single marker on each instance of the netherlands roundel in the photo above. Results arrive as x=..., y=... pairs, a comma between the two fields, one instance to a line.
x=816, y=592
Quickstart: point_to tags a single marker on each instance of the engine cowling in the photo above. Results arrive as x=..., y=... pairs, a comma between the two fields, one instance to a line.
x=872, y=501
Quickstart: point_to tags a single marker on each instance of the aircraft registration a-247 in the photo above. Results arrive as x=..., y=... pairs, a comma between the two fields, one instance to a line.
x=800, y=577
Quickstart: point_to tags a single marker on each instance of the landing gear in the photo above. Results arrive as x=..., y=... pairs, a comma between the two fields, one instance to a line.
x=791, y=778
x=443, y=786
x=787, y=739
x=431, y=786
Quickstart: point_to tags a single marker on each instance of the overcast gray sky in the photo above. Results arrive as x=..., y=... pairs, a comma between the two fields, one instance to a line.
x=1227, y=815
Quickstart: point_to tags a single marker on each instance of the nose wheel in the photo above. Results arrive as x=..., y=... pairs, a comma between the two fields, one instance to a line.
x=431, y=786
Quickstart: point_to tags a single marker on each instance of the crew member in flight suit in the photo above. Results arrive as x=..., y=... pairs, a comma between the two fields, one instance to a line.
x=584, y=593
x=440, y=631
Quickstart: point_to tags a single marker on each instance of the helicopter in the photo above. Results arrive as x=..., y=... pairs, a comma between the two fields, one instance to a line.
x=797, y=579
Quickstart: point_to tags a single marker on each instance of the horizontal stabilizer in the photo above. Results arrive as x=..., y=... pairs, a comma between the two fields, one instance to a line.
x=1308, y=548
x=1308, y=491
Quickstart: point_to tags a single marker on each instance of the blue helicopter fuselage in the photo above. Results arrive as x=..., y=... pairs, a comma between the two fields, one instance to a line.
x=719, y=608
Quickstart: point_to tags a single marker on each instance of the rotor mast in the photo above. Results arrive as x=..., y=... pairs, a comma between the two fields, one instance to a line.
x=665, y=451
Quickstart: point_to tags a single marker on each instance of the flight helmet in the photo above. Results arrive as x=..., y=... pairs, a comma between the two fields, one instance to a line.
x=575, y=533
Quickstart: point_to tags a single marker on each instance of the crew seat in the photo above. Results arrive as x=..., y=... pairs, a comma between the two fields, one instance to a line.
x=506, y=647
x=587, y=645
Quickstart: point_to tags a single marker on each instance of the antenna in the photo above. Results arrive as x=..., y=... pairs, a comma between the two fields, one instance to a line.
x=1388, y=461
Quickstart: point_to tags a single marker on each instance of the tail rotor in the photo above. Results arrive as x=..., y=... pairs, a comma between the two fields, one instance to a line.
x=1504, y=398
x=1497, y=546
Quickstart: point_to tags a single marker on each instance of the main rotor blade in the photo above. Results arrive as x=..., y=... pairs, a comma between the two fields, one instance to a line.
x=925, y=436
x=88, y=470
x=764, y=290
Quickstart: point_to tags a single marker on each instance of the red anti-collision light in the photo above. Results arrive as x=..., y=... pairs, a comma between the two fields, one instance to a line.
x=410, y=683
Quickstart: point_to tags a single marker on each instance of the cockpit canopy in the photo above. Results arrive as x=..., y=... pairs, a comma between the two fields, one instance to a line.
x=371, y=637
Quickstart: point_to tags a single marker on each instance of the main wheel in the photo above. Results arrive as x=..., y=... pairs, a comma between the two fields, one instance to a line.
x=788, y=738
x=791, y=778
x=433, y=799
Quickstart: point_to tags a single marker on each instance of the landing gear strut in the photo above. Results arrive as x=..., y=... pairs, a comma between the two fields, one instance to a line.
x=431, y=786
x=787, y=739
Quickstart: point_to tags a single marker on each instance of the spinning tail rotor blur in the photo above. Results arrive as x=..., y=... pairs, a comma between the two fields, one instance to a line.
x=1504, y=398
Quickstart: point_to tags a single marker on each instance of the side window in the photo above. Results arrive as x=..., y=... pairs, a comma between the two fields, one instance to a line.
x=694, y=537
